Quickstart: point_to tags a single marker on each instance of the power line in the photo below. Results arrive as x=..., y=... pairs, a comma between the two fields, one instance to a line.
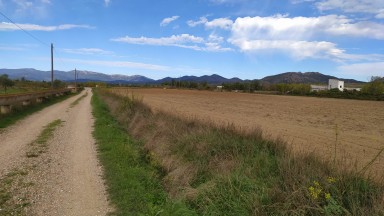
x=31, y=35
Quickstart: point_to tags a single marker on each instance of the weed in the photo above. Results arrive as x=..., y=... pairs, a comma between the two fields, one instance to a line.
x=21, y=112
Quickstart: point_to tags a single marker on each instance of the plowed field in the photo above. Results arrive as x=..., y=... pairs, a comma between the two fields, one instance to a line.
x=308, y=124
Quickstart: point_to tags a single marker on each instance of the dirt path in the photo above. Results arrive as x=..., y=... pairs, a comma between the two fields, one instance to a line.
x=308, y=124
x=66, y=178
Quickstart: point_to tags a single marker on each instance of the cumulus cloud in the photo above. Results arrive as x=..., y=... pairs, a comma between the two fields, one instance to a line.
x=88, y=51
x=223, y=23
x=201, y=21
x=163, y=41
x=183, y=41
x=123, y=64
x=229, y=1
x=299, y=28
x=6, y=26
x=299, y=36
x=363, y=69
x=107, y=2
x=297, y=49
x=353, y=6
x=168, y=20
x=300, y=1
x=34, y=8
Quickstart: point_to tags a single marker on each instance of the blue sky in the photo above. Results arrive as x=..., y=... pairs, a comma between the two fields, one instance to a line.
x=249, y=39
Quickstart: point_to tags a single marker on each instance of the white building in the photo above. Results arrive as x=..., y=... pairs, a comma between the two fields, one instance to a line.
x=335, y=84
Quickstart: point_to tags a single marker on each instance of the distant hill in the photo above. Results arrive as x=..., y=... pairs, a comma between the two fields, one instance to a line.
x=298, y=77
x=214, y=79
x=37, y=75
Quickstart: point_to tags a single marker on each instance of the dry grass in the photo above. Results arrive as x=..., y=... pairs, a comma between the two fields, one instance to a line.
x=224, y=171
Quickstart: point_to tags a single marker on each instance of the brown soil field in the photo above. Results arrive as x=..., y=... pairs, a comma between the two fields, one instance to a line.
x=308, y=124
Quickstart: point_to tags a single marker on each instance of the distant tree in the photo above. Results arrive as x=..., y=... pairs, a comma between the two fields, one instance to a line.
x=58, y=84
x=376, y=78
x=5, y=82
x=375, y=87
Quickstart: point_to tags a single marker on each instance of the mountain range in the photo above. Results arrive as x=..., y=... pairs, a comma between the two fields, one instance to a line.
x=84, y=76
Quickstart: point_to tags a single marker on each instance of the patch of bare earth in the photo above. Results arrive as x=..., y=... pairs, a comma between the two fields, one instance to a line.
x=66, y=178
x=308, y=124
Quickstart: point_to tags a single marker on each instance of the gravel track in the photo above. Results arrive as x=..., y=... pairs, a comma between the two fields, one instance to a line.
x=66, y=178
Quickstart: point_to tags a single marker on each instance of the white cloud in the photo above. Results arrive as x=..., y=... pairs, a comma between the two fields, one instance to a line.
x=107, y=2
x=163, y=41
x=297, y=49
x=300, y=1
x=229, y=1
x=34, y=8
x=299, y=36
x=280, y=27
x=184, y=41
x=9, y=48
x=223, y=23
x=168, y=20
x=123, y=64
x=363, y=69
x=6, y=26
x=353, y=6
x=380, y=15
x=201, y=21
x=88, y=51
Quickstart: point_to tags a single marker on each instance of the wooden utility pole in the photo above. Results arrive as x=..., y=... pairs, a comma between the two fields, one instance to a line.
x=52, y=65
x=75, y=80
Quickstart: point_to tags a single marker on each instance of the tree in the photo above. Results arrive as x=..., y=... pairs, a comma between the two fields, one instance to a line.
x=375, y=87
x=5, y=82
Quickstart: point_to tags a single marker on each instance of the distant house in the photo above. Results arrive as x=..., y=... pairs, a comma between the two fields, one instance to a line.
x=335, y=84
x=332, y=84
x=72, y=87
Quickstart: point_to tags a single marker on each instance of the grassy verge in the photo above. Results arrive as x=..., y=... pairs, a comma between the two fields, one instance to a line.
x=223, y=171
x=21, y=112
x=133, y=184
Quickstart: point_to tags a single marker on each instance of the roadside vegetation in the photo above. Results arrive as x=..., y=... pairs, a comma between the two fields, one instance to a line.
x=219, y=170
x=19, y=112
x=23, y=85
x=133, y=183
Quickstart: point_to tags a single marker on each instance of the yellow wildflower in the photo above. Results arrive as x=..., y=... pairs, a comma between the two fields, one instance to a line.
x=327, y=196
x=331, y=180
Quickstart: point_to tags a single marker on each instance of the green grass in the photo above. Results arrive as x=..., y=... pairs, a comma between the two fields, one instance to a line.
x=133, y=184
x=224, y=171
x=21, y=112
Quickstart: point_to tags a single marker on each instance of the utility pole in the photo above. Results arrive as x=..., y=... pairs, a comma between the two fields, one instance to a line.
x=75, y=80
x=52, y=65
